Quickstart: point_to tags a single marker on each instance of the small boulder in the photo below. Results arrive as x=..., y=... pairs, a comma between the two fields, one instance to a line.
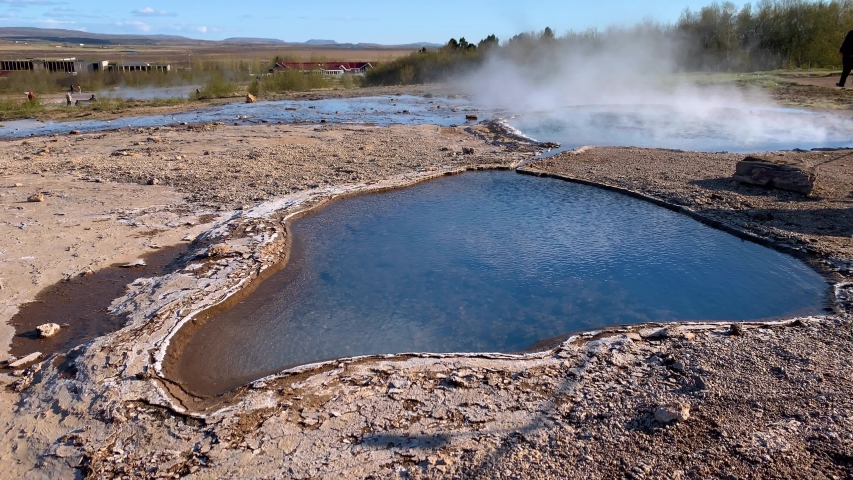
x=736, y=329
x=154, y=181
x=470, y=118
x=467, y=150
x=218, y=250
x=782, y=173
x=38, y=197
x=676, y=412
x=48, y=330
x=251, y=98
x=74, y=132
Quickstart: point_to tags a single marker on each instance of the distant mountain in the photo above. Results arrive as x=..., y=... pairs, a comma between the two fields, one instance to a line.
x=254, y=41
x=28, y=34
x=321, y=42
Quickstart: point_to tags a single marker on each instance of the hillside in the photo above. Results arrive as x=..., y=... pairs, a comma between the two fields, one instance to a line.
x=39, y=35
x=28, y=34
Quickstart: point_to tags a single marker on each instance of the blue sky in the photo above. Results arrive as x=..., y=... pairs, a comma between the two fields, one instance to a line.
x=374, y=21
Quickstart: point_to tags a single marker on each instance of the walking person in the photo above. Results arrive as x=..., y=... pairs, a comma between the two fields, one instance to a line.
x=30, y=96
x=68, y=99
x=846, y=52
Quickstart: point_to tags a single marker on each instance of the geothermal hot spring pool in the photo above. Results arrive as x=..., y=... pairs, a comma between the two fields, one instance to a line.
x=485, y=262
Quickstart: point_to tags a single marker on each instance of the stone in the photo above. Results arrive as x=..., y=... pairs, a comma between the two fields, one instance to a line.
x=467, y=150
x=154, y=181
x=470, y=117
x=655, y=333
x=48, y=330
x=136, y=263
x=399, y=384
x=736, y=329
x=25, y=360
x=74, y=132
x=676, y=412
x=461, y=379
x=218, y=250
x=250, y=98
x=38, y=197
x=19, y=184
x=781, y=173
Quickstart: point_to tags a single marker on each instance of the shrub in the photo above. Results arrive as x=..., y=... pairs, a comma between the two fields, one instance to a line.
x=13, y=108
x=217, y=87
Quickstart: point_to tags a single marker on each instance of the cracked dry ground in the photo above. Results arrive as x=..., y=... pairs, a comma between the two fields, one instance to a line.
x=774, y=403
x=770, y=401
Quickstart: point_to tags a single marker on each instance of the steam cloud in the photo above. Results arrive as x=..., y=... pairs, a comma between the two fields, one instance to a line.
x=629, y=91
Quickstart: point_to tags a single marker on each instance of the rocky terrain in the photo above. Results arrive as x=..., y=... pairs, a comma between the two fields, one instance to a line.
x=754, y=400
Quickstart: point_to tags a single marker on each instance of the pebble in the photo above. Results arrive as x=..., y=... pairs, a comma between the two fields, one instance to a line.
x=137, y=263
x=676, y=412
x=38, y=197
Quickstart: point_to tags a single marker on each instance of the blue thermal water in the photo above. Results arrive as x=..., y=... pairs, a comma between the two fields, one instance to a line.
x=487, y=262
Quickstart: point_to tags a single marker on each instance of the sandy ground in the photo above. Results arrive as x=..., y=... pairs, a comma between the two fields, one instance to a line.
x=80, y=227
x=764, y=400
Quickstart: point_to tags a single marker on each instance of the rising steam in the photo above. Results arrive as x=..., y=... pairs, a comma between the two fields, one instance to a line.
x=629, y=90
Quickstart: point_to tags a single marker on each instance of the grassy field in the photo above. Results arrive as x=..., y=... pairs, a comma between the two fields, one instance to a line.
x=221, y=70
x=187, y=57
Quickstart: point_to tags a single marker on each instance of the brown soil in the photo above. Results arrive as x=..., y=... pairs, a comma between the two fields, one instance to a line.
x=814, y=92
x=81, y=305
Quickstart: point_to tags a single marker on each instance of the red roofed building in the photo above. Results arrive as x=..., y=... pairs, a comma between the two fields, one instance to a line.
x=324, y=68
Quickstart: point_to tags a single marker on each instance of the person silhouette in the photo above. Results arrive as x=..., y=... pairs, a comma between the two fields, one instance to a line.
x=846, y=52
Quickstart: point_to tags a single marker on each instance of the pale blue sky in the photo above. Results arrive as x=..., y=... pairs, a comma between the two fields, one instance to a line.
x=374, y=21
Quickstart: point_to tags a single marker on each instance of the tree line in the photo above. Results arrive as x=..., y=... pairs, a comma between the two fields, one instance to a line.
x=720, y=37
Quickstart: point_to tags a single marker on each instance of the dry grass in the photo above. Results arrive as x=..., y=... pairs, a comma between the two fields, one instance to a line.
x=186, y=56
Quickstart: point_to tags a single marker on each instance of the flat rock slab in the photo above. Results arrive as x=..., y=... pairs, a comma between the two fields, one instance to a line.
x=23, y=361
x=782, y=173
